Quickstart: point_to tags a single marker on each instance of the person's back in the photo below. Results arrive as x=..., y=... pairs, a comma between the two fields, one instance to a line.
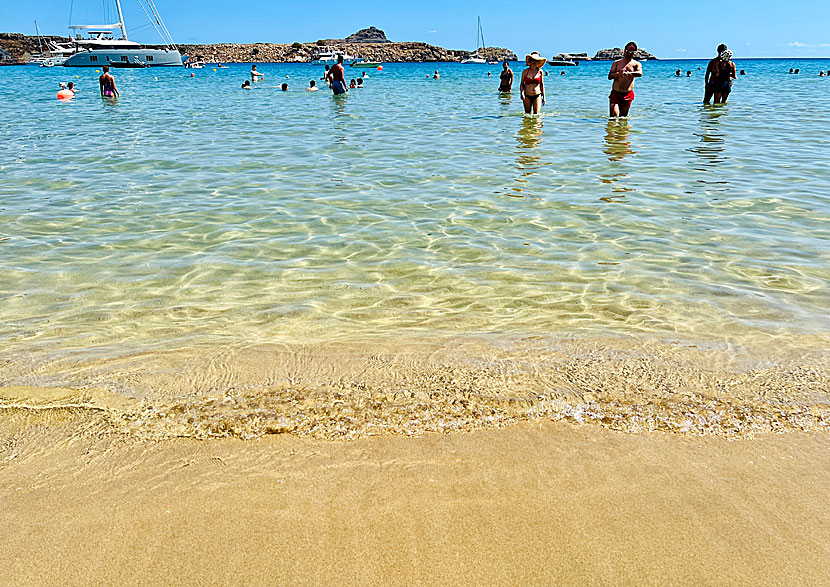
x=107, y=84
x=709, y=90
x=338, y=77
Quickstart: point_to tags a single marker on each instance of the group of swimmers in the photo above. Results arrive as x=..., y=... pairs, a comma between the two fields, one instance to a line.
x=335, y=78
x=532, y=84
x=720, y=73
x=106, y=85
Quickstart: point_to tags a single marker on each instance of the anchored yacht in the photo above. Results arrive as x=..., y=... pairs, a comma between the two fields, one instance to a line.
x=97, y=45
x=327, y=56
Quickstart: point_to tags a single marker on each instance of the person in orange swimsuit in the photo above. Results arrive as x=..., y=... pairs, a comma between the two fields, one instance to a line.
x=532, y=85
x=624, y=71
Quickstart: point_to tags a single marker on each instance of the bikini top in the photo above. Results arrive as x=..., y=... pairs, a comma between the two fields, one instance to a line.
x=532, y=81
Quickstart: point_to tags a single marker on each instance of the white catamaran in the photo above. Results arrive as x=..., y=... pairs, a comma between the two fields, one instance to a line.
x=101, y=47
x=478, y=56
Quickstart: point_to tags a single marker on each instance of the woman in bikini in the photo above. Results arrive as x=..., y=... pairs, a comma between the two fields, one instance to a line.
x=107, y=84
x=532, y=86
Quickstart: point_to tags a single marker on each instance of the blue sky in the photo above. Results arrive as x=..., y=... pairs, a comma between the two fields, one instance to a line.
x=798, y=28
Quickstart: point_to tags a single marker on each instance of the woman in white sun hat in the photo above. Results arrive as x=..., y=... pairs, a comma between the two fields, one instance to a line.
x=532, y=85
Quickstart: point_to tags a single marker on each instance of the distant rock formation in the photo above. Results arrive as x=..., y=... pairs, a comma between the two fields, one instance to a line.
x=571, y=57
x=370, y=35
x=617, y=53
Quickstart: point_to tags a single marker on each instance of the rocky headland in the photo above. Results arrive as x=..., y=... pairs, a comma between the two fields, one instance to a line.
x=617, y=53
x=368, y=43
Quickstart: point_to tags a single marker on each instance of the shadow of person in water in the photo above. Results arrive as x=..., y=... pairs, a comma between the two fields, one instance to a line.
x=617, y=147
x=617, y=141
x=528, y=160
x=710, y=153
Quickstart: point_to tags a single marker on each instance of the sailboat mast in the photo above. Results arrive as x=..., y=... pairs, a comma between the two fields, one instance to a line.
x=39, y=43
x=121, y=20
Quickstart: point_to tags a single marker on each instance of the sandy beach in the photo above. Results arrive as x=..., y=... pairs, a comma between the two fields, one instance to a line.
x=537, y=502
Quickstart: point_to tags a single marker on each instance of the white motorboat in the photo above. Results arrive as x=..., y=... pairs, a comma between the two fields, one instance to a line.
x=327, y=56
x=55, y=54
x=101, y=47
x=477, y=56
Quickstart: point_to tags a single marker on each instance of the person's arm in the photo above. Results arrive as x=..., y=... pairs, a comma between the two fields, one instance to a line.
x=638, y=70
x=709, y=73
x=114, y=88
x=542, y=87
x=101, y=85
x=734, y=70
x=613, y=73
x=522, y=86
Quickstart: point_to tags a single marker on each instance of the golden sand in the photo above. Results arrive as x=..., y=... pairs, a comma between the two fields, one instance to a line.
x=531, y=503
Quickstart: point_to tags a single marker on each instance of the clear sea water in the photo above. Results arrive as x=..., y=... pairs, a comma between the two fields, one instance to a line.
x=190, y=211
x=190, y=208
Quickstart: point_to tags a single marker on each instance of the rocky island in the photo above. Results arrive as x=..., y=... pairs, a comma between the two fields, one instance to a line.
x=617, y=53
x=370, y=43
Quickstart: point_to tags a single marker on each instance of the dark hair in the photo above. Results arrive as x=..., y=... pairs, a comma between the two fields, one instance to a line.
x=629, y=43
x=506, y=63
x=284, y=86
x=106, y=68
x=311, y=84
x=340, y=58
x=360, y=81
x=722, y=47
x=327, y=67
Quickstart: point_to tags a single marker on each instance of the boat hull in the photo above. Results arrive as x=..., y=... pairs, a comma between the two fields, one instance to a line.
x=100, y=57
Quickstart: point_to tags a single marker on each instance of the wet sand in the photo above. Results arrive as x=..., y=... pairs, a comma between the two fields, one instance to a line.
x=536, y=502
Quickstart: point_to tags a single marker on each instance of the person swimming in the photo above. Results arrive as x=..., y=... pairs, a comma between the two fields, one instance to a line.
x=352, y=84
x=532, y=85
x=312, y=86
x=435, y=75
x=359, y=82
x=246, y=85
x=64, y=93
x=284, y=87
x=106, y=84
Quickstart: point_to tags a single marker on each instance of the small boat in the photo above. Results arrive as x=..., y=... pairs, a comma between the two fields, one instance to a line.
x=476, y=57
x=365, y=63
x=194, y=65
x=561, y=63
x=54, y=55
x=53, y=61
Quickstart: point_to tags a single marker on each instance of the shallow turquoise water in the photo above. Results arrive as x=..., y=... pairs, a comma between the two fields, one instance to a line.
x=190, y=210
